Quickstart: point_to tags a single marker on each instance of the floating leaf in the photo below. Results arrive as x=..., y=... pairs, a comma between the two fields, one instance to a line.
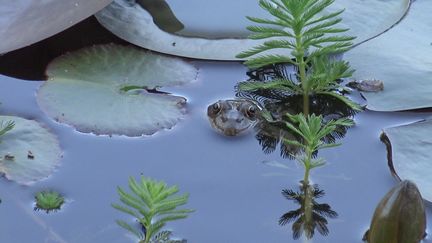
x=18, y=18
x=28, y=152
x=111, y=89
x=409, y=152
x=402, y=59
x=130, y=21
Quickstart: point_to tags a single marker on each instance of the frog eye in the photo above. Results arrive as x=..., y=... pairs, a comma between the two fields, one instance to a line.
x=216, y=107
x=251, y=111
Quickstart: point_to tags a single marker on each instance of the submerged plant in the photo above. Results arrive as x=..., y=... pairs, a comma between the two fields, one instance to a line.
x=48, y=201
x=152, y=204
x=312, y=131
x=311, y=35
x=311, y=215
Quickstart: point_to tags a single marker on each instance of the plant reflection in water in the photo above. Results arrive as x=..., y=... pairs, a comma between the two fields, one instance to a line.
x=311, y=215
x=277, y=103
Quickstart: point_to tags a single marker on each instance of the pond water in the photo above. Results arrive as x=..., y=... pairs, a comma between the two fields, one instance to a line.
x=208, y=22
x=236, y=194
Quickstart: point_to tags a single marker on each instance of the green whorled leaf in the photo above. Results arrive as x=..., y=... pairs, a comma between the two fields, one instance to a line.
x=27, y=137
x=402, y=59
x=96, y=90
x=365, y=18
x=19, y=17
x=409, y=152
x=399, y=217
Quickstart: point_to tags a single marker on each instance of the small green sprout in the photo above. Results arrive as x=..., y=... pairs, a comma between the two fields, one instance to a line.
x=48, y=201
x=152, y=204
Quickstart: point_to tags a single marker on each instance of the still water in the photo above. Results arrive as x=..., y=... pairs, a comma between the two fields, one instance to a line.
x=236, y=194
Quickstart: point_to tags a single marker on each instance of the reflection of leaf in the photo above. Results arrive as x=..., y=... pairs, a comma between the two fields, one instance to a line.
x=162, y=15
x=311, y=215
x=110, y=89
x=28, y=137
x=402, y=59
x=132, y=23
x=409, y=152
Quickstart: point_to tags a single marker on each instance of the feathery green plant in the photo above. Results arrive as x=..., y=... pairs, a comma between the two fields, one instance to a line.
x=312, y=131
x=6, y=127
x=48, y=201
x=303, y=27
x=153, y=204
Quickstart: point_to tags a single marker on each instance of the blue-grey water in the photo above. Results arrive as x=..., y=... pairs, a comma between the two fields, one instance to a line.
x=236, y=196
x=208, y=22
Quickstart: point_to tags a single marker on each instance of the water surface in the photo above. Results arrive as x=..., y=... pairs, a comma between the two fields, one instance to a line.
x=237, y=198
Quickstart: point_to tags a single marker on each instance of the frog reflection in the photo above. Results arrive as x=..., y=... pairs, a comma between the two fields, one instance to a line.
x=311, y=215
x=276, y=103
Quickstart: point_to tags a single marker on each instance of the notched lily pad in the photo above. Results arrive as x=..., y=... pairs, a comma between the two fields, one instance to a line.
x=128, y=20
x=402, y=59
x=409, y=154
x=29, y=152
x=112, y=89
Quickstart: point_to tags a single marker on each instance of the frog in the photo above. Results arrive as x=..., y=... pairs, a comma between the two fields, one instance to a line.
x=232, y=117
x=367, y=85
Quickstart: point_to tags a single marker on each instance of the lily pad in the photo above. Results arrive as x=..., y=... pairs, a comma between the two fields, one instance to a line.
x=111, y=89
x=402, y=59
x=24, y=22
x=128, y=20
x=29, y=152
x=409, y=152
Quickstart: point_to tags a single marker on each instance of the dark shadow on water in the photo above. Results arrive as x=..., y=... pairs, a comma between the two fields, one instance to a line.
x=30, y=62
x=277, y=103
x=311, y=215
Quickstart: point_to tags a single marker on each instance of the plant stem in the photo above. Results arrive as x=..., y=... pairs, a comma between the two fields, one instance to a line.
x=307, y=165
x=302, y=69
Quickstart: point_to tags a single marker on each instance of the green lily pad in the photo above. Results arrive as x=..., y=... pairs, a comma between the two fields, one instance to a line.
x=111, y=89
x=130, y=21
x=29, y=152
x=402, y=59
x=409, y=152
x=24, y=22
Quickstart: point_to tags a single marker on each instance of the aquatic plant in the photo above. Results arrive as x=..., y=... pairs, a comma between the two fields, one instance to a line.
x=399, y=217
x=311, y=215
x=311, y=35
x=48, y=201
x=312, y=131
x=152, y=204
x=6, y=127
